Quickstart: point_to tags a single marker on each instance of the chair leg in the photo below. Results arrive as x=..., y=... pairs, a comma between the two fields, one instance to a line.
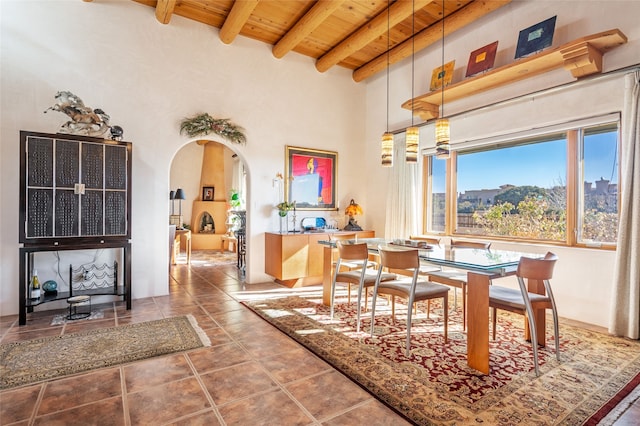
x=393, y=308
x=494, y=319
x=428, y=307
x=445, y=303
x=349, y=294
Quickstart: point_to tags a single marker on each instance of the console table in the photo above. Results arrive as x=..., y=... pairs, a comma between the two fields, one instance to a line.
x=295, y=259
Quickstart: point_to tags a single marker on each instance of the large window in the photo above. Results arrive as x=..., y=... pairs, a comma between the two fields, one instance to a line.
x=559, y=186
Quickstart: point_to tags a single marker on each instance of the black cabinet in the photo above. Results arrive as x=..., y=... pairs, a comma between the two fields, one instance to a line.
x=75, y=194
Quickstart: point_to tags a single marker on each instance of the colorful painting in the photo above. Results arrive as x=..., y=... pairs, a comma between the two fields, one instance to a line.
x=535, y=38
x=482, y=59
x=442, y=76
x=311, y=178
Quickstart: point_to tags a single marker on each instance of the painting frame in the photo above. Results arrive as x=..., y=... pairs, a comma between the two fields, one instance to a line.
x=482, y=59
x=208, y=193
x=311, y=178
x=536, y=37
x=442, y=76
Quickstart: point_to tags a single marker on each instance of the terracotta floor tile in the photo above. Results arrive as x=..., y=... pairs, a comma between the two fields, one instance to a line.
x=155, y=371
x=107, y=412
x=317, y=394
x=294, y=365
x=371, y=413
x=164, y=403
x=206, y=418
x=239, y=381
x=74, y=391
x=217, y=336
x=17, y=405
x=217, y=357
x=272, y=408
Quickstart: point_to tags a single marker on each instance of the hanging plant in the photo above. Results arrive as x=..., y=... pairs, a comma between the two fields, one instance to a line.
x=203, y=124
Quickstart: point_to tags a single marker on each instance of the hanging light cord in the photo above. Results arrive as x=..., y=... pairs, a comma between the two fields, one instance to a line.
x=413, y=52
x=442, y=69
x=388, y=48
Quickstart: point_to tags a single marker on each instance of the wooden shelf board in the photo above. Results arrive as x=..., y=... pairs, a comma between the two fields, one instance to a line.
x=581, y=57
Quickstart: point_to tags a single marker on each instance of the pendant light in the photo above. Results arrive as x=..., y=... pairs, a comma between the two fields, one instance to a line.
x=412, y=134
x=442, y=124
x=387, y=138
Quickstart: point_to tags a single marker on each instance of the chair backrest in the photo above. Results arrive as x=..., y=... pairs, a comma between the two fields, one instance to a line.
x=399, y=259
x=470, y=244
x=357, y=251
x=537, y=269
x=338, y=237
x=429, y=240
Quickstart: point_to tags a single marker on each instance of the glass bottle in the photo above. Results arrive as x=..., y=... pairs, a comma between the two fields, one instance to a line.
x=35, y=285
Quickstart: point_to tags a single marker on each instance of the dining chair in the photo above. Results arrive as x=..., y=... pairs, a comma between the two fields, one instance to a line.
x=353, y=265
x=357, y=252
x=456, y=278
x=523, y=302
x=409, y=288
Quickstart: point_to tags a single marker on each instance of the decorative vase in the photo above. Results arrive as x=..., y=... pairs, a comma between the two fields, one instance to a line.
x=283, y=220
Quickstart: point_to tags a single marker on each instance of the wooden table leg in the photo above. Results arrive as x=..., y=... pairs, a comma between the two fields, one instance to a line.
x=478, y=322
x=327, y=270
x=188, y=236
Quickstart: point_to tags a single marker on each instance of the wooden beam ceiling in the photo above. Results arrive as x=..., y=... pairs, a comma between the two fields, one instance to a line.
x=347, y=33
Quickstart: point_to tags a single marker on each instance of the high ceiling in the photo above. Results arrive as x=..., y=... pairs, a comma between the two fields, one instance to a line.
x=346, y=33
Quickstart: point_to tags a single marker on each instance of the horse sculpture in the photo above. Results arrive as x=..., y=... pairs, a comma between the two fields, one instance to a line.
x=84, y=120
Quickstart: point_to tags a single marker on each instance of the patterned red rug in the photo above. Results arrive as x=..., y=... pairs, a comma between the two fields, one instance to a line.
x=435, y=386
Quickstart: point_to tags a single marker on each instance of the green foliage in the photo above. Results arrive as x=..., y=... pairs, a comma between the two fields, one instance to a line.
x=532, y=218
x=600, y=226
x=203, y=124
x=518, y=193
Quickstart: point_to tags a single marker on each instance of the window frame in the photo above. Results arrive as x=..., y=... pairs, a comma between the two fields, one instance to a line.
x=574, y=131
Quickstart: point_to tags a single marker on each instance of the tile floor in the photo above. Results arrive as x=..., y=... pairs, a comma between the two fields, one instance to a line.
x=251, y=375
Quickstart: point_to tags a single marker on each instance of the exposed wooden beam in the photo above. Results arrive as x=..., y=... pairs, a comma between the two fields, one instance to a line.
x=364, y=35
x=309, y=22
x=429, y=35
x=164, y=10
x=238, y=16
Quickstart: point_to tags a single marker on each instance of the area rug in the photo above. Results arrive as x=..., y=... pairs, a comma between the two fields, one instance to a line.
x=435, y=386
x=46, y=358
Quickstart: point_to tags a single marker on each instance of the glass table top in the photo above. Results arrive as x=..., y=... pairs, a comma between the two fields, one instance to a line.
x=494, y=261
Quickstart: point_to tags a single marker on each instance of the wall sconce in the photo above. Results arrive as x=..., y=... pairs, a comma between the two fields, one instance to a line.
x=352, y=210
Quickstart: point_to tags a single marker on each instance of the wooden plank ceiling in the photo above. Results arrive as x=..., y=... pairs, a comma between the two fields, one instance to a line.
x=346, y=33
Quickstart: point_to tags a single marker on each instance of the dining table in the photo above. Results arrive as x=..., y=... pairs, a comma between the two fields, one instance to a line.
x=482, y=266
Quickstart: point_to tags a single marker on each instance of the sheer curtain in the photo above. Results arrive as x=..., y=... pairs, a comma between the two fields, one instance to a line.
x=403, y=195
x=625, y=309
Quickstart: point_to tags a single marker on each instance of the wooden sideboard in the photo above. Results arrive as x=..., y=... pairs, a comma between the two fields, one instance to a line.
x=295, y=259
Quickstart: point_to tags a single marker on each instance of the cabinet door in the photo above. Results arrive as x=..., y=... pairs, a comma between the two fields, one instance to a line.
x=72, y=186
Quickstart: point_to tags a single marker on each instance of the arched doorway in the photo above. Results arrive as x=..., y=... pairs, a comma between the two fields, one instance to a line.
x=210, y=174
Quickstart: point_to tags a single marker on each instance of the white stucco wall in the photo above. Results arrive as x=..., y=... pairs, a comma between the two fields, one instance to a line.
x=583, y=277
x=147, y=76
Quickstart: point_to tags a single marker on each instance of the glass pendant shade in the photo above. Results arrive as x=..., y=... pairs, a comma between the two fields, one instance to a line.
x=412, y=139
x=442, y=138
x=387, y=149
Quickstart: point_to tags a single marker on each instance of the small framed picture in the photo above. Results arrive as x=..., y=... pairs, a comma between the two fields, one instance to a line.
x=441, y=76
x=535, y=38
x=482, y=59
x=207, y=193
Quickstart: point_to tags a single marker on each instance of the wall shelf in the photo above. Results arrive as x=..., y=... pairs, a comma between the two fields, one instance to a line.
x=581, y=57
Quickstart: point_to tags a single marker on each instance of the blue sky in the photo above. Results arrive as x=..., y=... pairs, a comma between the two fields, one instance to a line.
x=541, y=165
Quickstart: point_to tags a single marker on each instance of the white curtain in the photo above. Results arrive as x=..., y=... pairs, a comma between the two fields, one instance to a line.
x=403, y=195
x=625, y=312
